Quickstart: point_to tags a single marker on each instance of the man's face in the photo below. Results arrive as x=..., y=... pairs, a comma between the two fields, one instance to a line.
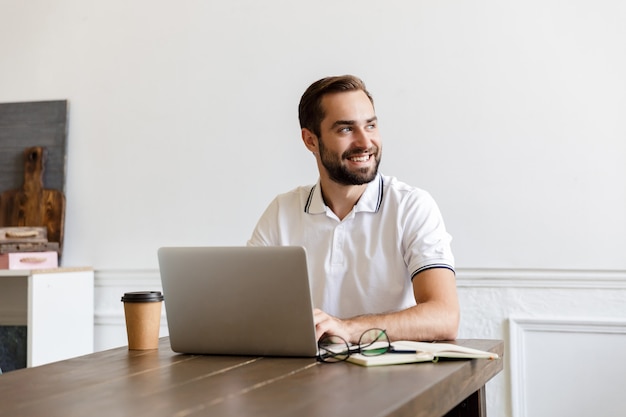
x=349, y=143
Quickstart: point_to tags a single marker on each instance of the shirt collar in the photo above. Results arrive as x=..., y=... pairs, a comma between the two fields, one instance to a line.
x=370, y=201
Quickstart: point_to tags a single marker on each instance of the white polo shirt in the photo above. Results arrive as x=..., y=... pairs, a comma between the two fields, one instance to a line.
x=364, y=263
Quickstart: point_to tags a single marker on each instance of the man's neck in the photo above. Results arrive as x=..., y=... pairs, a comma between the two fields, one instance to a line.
x=341, y=199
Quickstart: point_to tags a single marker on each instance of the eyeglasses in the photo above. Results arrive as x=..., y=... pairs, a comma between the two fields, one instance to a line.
x=373, y=342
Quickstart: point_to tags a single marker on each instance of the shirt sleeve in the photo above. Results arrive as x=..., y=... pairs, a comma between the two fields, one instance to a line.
x=265, y=234
x=425, y=239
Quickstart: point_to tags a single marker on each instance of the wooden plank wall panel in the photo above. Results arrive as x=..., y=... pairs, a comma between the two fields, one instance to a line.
x=22, y=125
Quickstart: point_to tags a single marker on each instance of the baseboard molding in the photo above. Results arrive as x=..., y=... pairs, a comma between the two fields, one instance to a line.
x=127, y=277
x=466, y=277
x=541, y=278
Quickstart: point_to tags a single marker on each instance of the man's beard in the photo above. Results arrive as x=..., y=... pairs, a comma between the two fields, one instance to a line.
x=339, y=173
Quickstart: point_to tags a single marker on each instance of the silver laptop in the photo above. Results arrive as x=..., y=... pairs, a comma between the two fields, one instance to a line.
x=238, y=300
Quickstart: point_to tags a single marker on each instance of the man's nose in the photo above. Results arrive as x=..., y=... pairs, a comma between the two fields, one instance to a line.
x=363, y=137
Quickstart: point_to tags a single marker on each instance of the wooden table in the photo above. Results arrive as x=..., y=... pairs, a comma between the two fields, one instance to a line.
x=119, y=382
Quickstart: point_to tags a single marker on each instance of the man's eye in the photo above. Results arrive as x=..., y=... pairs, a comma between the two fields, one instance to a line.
x=346, y=129
x=372, y=126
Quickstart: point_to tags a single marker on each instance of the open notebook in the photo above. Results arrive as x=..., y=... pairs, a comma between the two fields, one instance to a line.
x=423, y=352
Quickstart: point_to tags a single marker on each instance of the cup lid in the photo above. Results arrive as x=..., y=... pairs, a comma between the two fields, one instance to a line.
x=142, y=296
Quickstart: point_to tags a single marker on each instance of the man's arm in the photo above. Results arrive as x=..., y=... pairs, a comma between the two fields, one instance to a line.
x=435, y=317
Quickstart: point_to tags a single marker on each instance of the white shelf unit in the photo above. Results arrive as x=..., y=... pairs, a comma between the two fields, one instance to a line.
x=57, y=307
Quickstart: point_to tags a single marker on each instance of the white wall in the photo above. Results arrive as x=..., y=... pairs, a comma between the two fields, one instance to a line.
x=183, y=127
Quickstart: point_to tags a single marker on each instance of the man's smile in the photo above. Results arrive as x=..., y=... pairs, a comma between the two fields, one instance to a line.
x=363, y=158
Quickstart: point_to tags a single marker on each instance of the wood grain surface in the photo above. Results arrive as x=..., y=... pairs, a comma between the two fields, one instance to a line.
x=33, y=205
x=161, y=382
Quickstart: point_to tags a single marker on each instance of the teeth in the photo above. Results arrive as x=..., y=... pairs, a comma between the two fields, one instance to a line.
x=360, y=158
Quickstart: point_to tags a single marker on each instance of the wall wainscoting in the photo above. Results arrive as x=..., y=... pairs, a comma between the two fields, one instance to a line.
x=567, y=367
x=110, y=285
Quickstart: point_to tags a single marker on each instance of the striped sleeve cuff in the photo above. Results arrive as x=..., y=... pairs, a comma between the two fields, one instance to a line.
x=431, y=266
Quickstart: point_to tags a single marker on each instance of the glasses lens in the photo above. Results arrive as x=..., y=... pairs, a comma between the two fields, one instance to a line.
x=374, y=342
x=332, y=349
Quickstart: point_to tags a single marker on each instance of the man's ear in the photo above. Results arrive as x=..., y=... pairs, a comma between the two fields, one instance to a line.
x=310, y=140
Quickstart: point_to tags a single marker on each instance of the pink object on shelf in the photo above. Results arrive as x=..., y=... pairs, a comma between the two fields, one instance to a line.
x=29, y=260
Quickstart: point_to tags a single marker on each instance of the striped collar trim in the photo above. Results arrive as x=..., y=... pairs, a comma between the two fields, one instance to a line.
x=370, y=201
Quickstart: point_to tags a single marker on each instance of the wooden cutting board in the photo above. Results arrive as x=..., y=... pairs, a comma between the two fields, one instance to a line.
x=34, y=206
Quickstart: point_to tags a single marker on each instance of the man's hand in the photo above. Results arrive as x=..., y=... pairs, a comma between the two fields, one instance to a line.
x=327, y=324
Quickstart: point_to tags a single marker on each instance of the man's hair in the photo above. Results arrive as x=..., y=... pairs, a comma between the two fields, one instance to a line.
x=310, y=111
